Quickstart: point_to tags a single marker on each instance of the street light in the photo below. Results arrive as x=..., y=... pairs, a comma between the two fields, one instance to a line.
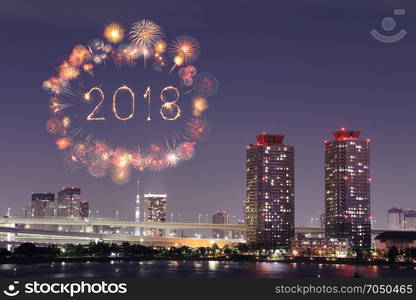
x=8, y=212
x=117, y=214
x=171, y=217
x=199, y=218
x=206, y=215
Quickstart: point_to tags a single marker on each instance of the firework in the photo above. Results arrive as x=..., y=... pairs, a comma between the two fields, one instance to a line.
x=56, y=85
x=121, y=175
x=172, y=157
x=71, y=163
x=186, y=47
x=159, y=62
x=197, y=129
x=121, y=159
x=145, y=33
x=160, y=47
x=98, y=168
x=53, y=125
x=66, y=121
x=131, y=52
x=187, y=72
x=205, y=84
x=80, y=152
x=57, y=106
x=199, y=105
x=187, y=150
x=63, y=143
x=68, y=71
x=96, y=45
x=88, y=68
x=113, y=33
x=79, y=56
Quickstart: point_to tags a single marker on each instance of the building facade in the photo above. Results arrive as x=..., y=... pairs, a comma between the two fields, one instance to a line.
x=219, y=218
x=69, y=199
x=270, y=195
x=347, y=188
x=409, y=219
x=154, y=210
x=395, y=218
x=84, y=209
x=42, y=205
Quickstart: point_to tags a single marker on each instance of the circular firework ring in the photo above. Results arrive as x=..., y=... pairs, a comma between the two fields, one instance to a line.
x=143, y=47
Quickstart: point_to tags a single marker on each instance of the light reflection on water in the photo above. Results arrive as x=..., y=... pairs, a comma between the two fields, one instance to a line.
x=201, y=269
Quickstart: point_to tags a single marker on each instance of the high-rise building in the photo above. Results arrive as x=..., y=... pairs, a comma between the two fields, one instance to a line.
x=347, y=188
x=137, y=209
x=154, y=210
x=410, y=219
x=270, y=191
x=84, y=209
x=42, y=204
x=395, y=218
x=69, y=202
x=219, y=218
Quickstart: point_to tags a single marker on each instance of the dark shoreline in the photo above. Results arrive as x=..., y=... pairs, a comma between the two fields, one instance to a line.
x=315, y=260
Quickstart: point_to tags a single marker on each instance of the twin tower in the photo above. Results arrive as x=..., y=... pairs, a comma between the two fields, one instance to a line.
x=270, y=190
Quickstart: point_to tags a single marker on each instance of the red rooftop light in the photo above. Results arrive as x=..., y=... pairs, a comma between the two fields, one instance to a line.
x=344, y=134
x=265, y=139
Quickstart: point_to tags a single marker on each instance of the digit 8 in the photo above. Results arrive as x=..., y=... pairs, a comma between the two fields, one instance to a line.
x=170, y=106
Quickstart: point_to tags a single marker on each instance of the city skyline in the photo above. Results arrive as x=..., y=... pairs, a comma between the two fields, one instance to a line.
x=287, y=89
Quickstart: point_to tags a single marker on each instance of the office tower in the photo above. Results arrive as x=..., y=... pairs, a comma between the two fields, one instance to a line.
x=347, y=188
x=69, y=202
x=84, y=209
x=270, y=196
x=154, y=210
x=42, y=204
x=410, y=219
x=395, y=218
x=137, y=209
x=219, y=218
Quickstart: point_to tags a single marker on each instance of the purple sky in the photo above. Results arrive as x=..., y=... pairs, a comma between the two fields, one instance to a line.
x=297, y=67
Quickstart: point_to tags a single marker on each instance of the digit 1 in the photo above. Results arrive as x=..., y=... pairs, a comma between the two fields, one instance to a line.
x=147, y=95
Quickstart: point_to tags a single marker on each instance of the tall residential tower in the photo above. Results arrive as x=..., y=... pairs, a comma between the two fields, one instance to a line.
x=270, y=191
x=347, y=188
x=154, y=210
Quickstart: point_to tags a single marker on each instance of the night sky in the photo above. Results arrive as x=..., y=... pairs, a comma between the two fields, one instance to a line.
x=302, y=68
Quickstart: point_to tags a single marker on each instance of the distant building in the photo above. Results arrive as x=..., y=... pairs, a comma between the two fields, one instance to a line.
x=42, y=204
x=399, y=239
x=270, y=191
x=137, y=209
x=410, y=219
x=395, y=218
x=69, y=202
x=322, y=220
x=154, y=210
x=319, y=247
x=84, y=209
x=219, y=218
x=347, y=188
